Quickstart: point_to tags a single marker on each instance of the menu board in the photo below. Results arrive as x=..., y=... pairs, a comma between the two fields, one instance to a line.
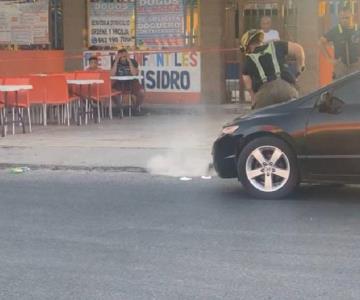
x=111, y=23
x=160, y=23
x=24, y=23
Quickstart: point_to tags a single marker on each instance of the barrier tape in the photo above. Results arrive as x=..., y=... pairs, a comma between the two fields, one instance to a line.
x=80, y=56
x=68, y=56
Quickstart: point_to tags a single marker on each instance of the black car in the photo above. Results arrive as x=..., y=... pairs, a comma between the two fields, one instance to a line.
x=315, y=138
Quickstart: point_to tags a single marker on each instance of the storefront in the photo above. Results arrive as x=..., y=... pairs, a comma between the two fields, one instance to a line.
x=302, y=21
x=161, y=35
x=29, y=37
x=183, y=46
x=143, y=24
x=173, y=41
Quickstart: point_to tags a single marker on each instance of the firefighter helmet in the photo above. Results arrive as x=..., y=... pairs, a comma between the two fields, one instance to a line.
x=250, y=36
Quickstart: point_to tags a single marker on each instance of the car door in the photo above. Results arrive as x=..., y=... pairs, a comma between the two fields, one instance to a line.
x=333, y=135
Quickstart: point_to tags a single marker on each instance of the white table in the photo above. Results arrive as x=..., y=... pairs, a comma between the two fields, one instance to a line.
x=125, y=79
x=89, y=83
x=39, y=74
x=84, y=81
x=12, y=88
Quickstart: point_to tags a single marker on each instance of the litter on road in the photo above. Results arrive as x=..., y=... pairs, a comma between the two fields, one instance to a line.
x=185, y=178
x=19, y=170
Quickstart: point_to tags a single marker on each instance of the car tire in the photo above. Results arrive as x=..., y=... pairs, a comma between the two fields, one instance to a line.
x=267, y=168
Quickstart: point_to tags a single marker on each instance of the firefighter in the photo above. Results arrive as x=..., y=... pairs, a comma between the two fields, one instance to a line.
x=345, y=38
x=266, y=75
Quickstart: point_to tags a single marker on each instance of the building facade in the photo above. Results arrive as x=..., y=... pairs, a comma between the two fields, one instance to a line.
x=302, y=21
x=187, y=48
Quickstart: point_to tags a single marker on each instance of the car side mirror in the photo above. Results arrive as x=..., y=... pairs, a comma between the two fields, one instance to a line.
x=324, y=102
x=330, y=104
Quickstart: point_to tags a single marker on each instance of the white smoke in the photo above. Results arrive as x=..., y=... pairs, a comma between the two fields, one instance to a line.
x=180, y=162
x=189, y=149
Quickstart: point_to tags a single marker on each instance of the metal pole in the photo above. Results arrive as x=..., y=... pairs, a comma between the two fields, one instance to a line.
x=56, y=37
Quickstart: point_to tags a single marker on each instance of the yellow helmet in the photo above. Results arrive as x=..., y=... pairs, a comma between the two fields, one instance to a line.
x=248, y=37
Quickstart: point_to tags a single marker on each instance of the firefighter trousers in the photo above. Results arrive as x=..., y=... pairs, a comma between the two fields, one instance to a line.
x=273, y=92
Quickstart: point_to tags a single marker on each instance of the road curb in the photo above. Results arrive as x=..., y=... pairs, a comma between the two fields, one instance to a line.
x=123, y=169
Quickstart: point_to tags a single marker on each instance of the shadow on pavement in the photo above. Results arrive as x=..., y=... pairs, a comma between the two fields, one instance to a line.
x=327, y=193
x=311, y=193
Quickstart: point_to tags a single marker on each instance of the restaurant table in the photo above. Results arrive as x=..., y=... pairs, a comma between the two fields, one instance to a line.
x=88, y=83
x=12, y=88
x=127, y=79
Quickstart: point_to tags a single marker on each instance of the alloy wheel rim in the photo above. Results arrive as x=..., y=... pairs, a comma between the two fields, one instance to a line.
x=268, y=169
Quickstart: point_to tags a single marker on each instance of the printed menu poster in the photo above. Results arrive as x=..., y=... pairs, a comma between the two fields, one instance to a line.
x=160, y=24
x=111, y=23
x=24, y=23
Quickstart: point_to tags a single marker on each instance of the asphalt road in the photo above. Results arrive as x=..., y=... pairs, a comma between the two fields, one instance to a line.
x=81, y=235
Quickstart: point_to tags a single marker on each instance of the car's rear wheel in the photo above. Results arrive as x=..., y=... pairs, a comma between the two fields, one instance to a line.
x=267, y=168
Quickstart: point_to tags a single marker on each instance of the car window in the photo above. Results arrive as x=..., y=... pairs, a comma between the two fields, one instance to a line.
x=349, y=92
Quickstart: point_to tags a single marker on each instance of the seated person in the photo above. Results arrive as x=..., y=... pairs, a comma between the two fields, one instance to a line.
x=126, y=66
x=93, y=64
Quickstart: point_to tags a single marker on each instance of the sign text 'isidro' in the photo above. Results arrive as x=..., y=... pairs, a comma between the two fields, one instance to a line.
x=171, y=71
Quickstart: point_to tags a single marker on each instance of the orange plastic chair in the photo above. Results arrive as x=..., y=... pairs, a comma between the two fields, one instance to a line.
x=37, y=96
x=100, y=92
x=57, y=94
x=1, y=103
x=18, y=100
x=84, y=74
x=38, y=93
x=1, y=93
x=87, y=75
x=68, y=75
x=91, y=92
x=23, y=96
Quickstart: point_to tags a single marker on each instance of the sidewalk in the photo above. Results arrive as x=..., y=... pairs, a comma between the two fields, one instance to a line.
x=161, y=137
